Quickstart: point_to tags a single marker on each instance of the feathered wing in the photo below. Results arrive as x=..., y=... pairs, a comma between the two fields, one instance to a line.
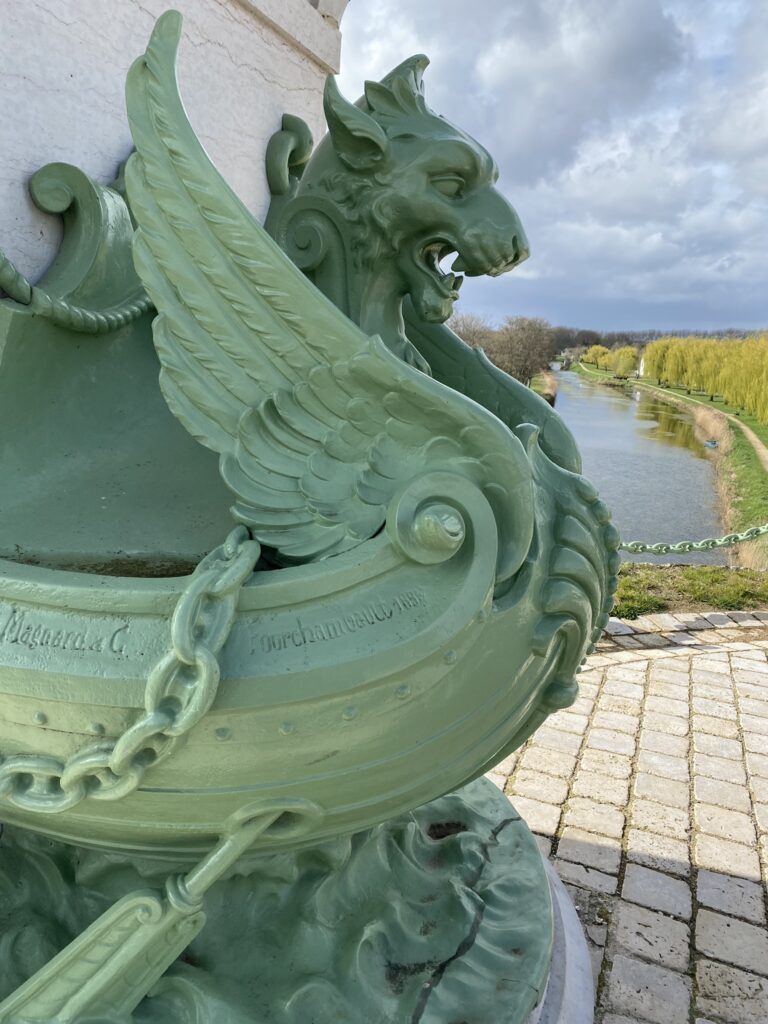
x=317, y=425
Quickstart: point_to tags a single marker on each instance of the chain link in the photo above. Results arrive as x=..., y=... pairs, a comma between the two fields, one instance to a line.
x=180, y=689
x=684, y=546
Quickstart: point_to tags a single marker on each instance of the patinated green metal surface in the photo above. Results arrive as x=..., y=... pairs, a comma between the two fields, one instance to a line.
x=433, y=566
x=359, y=929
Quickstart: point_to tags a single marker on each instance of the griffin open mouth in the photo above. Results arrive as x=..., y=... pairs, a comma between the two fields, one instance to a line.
x=435, y=256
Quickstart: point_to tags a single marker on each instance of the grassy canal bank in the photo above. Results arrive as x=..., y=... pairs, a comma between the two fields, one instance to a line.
x=740, y=459
x=741, y=474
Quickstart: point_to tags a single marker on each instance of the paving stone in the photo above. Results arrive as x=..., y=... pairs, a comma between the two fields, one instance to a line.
x=621, y=688
x=657, y=891
x=539, y=817
x=630, y=642
x=759, y=788
x=625, y=706
x=538, y=786
x=586, y=877
x=652, y=936
x=663, y=743
x=749, y=677
x=613, y=742
x=723, y=794
x=732, y=895
x=716, y=663
x=597, y=786
x=665, y=723
x=614, y=721
x=761, y=816
x=709, y=691
x=583, y=706
x=591, y=675
x=714, y=708
x=757, y=765
x=594, y=851
x=666, y=622
x=497, y=779
x=618, y=627
x=744, y=619
x=594, y=817
x=553, y=762
x=700, y=674
x=555, y=739
x=752, y=653
x=652, y=640
x=726, y=857
x=648, y=991
x=750, y=694
x=663, y=791
x=719, y=768
x=568, y=722
x=662, y=764
x=718, y=746
x=733, y=941
x=755, y=743
x=685, y=639
x=666, y=706
x=715, y=726
x=665, y=821
x=634, y=673
x=729, y=994
x=692, y=620
x=658, y=852
x=718, y=821
x=646, y=624
x=750, y=706
x=659, y=688
x=717, y=618
x=751, y=723
x=607, y=763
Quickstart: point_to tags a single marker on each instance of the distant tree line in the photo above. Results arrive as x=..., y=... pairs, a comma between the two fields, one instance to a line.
x=732, y=368
x=526, y=346
x=622, y=361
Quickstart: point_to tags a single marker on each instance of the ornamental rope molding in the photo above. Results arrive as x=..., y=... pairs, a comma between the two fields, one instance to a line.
x=180, y=689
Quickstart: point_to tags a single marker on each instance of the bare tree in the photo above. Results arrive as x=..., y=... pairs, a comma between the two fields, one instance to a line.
x=522, y=347
x=472, y=328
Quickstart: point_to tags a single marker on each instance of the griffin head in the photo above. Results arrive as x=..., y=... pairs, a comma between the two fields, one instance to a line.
x=415, y=190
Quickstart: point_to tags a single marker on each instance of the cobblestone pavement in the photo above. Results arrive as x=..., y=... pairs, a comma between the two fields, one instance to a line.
x=650, y=795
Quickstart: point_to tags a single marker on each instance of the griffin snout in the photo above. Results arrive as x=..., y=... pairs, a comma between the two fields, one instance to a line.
x=492, y=249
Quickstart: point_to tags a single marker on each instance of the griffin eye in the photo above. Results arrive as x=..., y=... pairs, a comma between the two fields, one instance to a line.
x=450, y=185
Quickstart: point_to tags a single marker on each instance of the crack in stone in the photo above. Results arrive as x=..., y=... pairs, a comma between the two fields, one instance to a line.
x=468, y=941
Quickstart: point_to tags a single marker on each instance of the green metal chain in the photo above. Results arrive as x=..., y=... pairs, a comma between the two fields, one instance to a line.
x=637, y=547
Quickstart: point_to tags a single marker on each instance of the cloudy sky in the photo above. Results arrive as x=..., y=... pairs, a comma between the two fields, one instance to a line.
x=632, y=137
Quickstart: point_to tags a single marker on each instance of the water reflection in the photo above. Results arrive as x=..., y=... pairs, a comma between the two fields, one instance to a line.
x=667, y=423
x=648, y=464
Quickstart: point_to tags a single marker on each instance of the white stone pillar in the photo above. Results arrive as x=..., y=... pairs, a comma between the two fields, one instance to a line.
x=63, y=64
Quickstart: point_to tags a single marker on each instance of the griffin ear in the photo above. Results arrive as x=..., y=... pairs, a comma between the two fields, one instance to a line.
x=359, y=141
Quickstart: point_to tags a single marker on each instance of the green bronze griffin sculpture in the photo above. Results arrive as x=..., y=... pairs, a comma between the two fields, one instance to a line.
x=389, y=194
x=436, y=568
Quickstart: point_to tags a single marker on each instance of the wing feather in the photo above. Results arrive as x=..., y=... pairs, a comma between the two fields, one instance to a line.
x=317, y=425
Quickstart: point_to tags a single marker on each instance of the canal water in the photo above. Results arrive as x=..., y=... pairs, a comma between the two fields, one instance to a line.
x=645, y=460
